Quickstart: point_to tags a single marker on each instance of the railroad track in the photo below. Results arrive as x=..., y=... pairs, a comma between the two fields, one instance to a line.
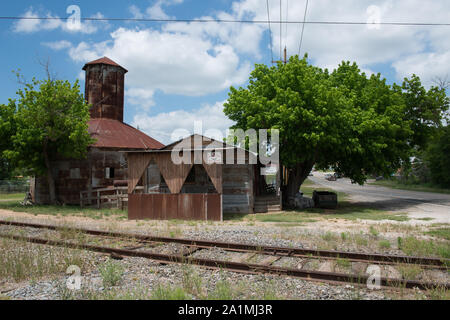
x=272, y=254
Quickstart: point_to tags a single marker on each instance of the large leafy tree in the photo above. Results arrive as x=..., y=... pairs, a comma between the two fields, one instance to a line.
x=7, y=129
x=343, y=120
x=437, y=157
x=49, y=120
x=425, y=109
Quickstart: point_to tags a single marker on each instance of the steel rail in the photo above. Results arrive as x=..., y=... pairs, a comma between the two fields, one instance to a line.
x=331, y=277
x=269, y=250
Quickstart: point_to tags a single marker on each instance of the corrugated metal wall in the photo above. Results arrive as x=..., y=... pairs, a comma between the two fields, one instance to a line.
x=185, y=206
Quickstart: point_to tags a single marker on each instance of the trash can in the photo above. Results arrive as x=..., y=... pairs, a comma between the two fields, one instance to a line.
x=325, y=199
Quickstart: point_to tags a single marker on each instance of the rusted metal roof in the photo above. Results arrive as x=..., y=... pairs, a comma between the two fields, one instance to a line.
x=112, y=133
x=104, y=60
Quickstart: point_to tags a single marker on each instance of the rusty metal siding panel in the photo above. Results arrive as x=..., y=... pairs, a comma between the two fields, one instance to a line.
x=92, y=174
x=175, y=206
x=134, y=206
x=214, y=207
x=170, y=206
x=102, y=90
x=191, y=206
x=174, y=174
x=157, y=209
x=215, y=173
x=137, y=164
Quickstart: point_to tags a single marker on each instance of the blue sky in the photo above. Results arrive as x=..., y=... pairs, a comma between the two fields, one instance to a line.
x=181, y=72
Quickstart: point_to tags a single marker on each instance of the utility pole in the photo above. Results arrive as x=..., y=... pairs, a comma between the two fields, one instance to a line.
x=285, y=58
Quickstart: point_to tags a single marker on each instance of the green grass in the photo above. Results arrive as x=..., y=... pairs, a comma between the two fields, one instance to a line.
x=68, y=210
x=284, y=218
x=23, y=260
x=384, y=244
x=443, y=233
x=12, y=196
x=394, y=184
x=373, y=231
x=329, y=236
x=222, y=291
x=343, y=263
x=169, y=293
x=345, y=210
x=111, y=273
x=416, y=247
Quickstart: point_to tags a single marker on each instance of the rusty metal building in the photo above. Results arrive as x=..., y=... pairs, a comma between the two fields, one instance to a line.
x=105, y=162
x=213, y=179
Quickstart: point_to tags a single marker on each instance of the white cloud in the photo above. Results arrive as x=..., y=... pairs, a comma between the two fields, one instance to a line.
x=202, y=58
x=399, y=46
x=136, y=12
x=54, y=22
x=58, y=45
x=427, y=65
x=162, y=125
x=140, y=97
x=174, y=63
x=27, y=25
x=156, y=11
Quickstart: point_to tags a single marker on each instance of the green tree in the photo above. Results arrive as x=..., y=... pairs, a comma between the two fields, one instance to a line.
x=7, y=129
x=437, y=157
x=50, y=120
x=342, y=120
x=425, y=109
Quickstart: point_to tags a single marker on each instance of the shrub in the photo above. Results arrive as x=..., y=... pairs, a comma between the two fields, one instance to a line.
x=111, y=273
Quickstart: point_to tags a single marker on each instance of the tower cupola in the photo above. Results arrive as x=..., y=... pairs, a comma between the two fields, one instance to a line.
x=104, y=88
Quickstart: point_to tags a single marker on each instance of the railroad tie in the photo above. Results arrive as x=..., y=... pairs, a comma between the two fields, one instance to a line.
x=242, y=258
x=190, y=250
x=269, y=260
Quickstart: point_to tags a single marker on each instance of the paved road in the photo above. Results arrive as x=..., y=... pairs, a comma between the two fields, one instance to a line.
x=417, y=204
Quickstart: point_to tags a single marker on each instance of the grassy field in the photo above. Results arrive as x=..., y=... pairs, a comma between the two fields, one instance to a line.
x=394, y=184
x=345, y=210
x=12, y=196
x=93, y=213
x=443, y=233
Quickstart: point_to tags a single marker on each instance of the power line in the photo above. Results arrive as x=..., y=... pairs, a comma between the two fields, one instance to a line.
x=303, y=29
x=270, y=31
x=237, y=21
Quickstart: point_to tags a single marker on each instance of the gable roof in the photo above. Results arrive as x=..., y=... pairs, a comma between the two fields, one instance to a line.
x=106, y=61
x=111, y=133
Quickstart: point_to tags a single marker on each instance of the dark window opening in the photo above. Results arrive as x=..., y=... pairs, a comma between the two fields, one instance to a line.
x=109, y=173
x=191, y=176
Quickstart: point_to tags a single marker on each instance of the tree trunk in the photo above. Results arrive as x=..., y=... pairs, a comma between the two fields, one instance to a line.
x=50, y=180
x=297, y=176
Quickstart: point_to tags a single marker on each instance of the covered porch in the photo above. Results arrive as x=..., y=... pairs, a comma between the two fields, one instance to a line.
x=188, y=191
